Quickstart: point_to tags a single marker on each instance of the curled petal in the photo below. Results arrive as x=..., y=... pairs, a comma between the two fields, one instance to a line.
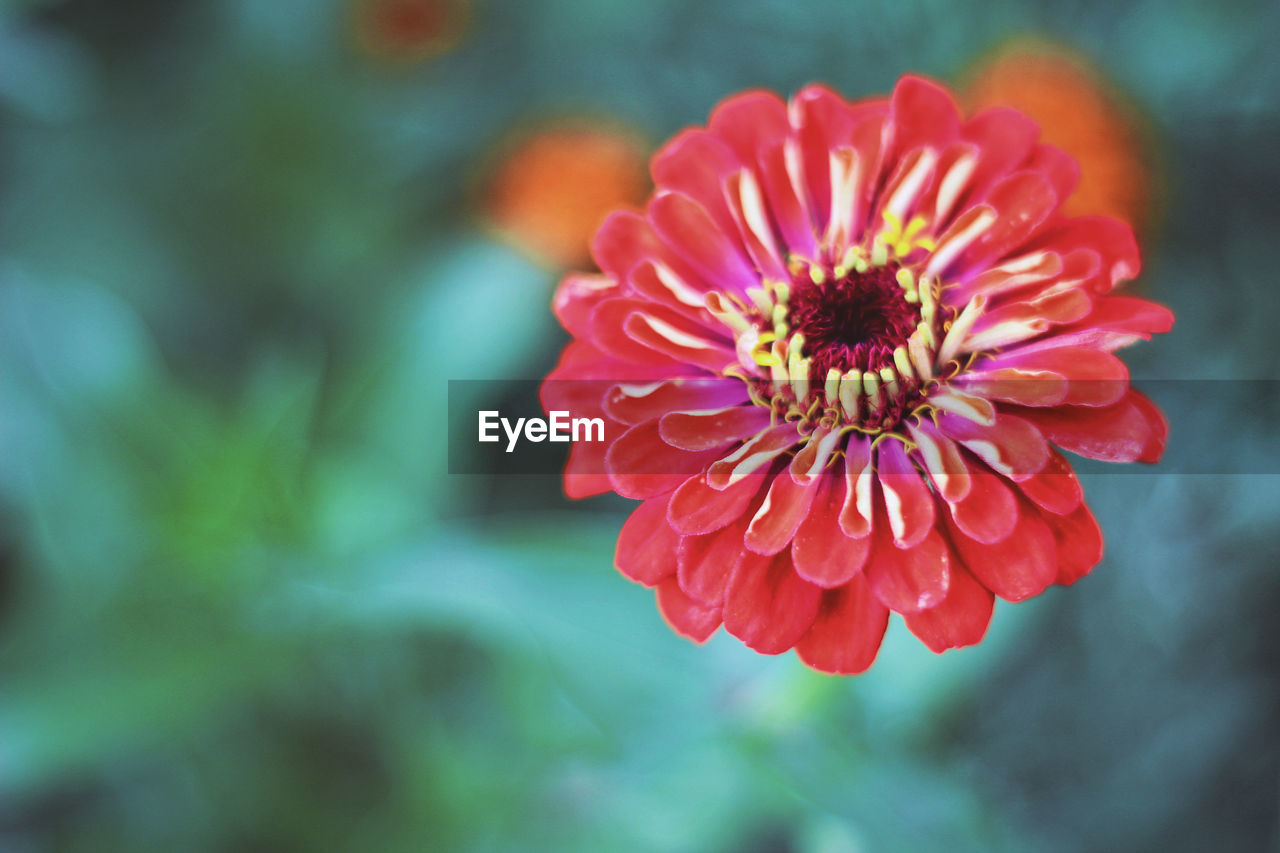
x=703, y=430
x=907, y=500
x=1013, y=446
x=576, y=297
x=784, y=508
x=633, y=402
x=846, y=635
x=942, y=460
x=690, y=231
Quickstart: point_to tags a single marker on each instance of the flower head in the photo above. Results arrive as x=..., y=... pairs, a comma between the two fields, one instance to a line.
x=832, y=353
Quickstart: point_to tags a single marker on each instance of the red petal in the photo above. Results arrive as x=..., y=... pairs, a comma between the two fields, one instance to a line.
x=1055, y=489
x=960, y=620
x=821, y=551
x=1004, y=138
x=922, y=114
x=703, y=430
x=1023, y=201
x=989, y=511
x=704, y=562
x=1058, y=166
x=646, y=550
x=750, y=123
x=767, y=605
x=907, y=579
x=584, y=472
x=908, y=501
x=1115, y=322
x=697, y=508
x=687, y=617
x=1111, y=238
x=846, y=636
x=641, y=465
x=1128, y=431
x=1020, y=566
x=1079, y=542
x=623, y=240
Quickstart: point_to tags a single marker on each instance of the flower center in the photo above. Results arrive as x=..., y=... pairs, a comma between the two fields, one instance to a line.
x=847, y=343
x=857, y=320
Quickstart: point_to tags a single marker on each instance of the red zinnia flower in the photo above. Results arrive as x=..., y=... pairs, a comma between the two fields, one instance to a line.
x=831, y=353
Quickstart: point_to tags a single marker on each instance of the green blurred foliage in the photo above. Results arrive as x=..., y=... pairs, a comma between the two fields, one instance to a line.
x=244, y=605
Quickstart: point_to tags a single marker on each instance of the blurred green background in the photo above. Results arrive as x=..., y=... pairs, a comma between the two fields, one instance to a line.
x=244, y=606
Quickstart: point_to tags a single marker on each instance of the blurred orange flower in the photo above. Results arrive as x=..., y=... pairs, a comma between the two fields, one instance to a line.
x=550, y=190
x=409, y=30
x=1078, y=111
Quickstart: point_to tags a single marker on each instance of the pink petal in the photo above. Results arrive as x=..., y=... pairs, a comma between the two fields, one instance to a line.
x=822, y=553
x=789, y=209
x=845, y=637
x=767, y=605
x=1115, y=322
x=576, y=297
x=908, y=501
x=1111, y=238
x=646, y=550
x=692, y=234
x=856, y=515
x=1004, y=138
x=1022, y=201
x=751, y=123
x=706, y=429
x=687, y=617
x=960, y=620
x=632, y=403
x=1013, y=446
x=696, y=163
x=941, y=459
